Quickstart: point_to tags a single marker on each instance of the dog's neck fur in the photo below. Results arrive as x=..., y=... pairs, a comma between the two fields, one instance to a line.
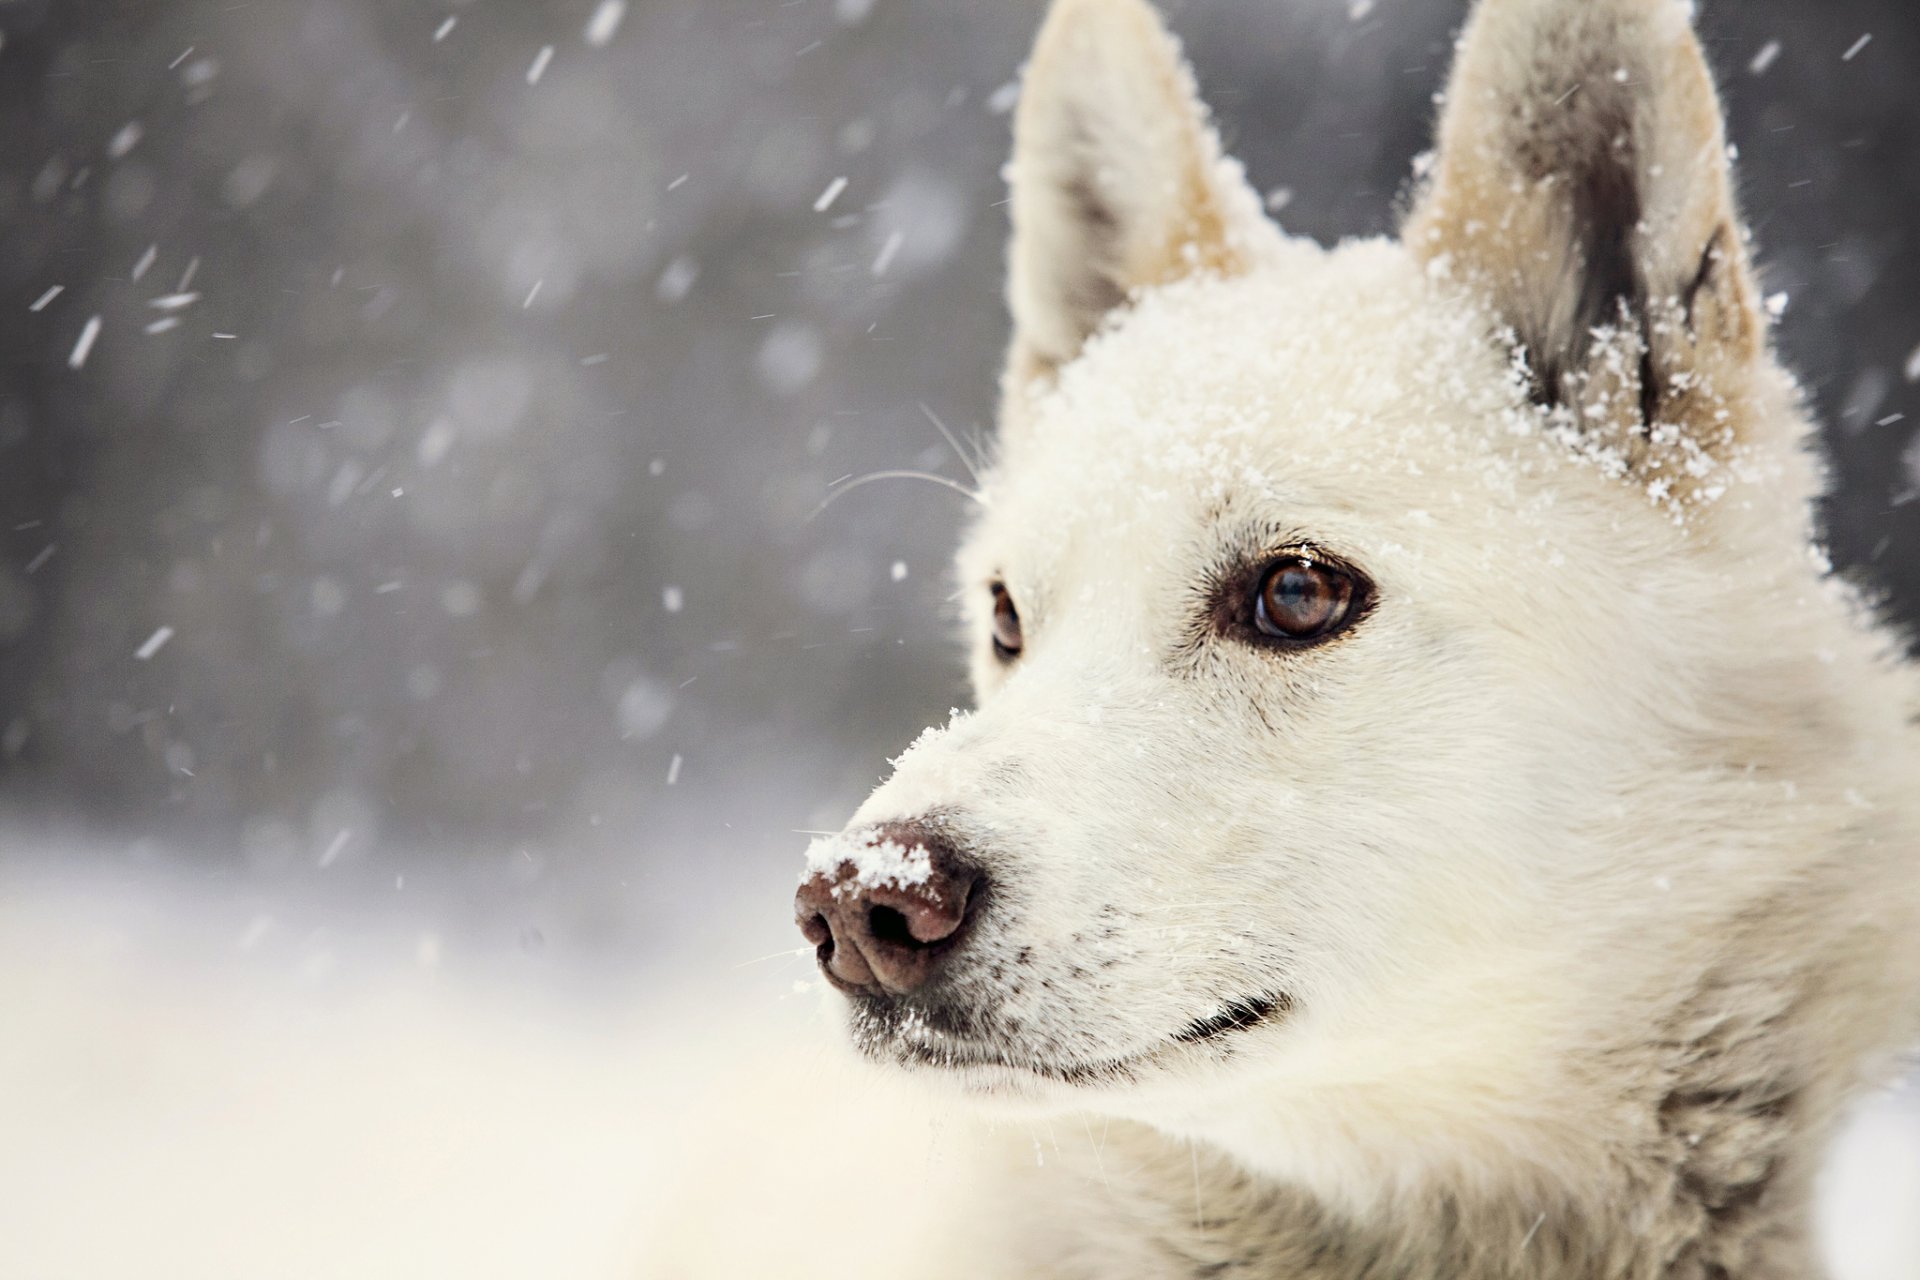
x=1705, y=1177
x=1182, y=1214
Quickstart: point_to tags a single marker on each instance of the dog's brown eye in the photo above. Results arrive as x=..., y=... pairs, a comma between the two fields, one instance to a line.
x=1301, y=600
x=1007, y=640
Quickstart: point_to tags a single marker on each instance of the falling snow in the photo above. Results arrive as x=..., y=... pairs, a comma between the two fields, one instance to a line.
x=605, y=22
x=677, y=280
x=888, y=252
x=83, y=345
x=125, y=140
x=790, y=358
x=539, y=66
x=153, y=644
x=331, y=853
x=827, y=197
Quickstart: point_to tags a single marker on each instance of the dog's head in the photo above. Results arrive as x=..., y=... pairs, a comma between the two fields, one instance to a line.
x=1357, y=632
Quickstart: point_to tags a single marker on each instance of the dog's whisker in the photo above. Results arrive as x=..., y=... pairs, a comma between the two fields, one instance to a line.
x=875, y=476
x=953, y=440
x=790, y=954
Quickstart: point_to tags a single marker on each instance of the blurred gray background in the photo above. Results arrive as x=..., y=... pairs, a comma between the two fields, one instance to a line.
x=429, y=513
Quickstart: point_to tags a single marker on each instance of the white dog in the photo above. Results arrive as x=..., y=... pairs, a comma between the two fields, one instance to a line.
x=1432, y=814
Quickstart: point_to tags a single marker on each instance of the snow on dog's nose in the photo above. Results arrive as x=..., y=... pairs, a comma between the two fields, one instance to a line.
x=885, y=907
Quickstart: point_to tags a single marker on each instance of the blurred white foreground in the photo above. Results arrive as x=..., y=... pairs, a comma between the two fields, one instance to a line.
x=189, y=1086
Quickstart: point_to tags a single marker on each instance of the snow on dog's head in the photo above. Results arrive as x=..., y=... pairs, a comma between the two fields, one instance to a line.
x=1371, y=716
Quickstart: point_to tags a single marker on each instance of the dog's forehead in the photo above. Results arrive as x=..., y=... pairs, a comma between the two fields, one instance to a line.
x=1343, y=377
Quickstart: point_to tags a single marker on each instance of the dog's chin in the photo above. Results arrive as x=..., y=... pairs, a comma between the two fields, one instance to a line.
x=993, y=1084
x=961, y=1051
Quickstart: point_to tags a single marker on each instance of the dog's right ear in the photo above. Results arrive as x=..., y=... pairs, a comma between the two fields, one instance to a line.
x=1118, y=182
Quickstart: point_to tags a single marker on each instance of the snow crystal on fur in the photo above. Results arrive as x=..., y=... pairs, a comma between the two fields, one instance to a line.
x=886, y=863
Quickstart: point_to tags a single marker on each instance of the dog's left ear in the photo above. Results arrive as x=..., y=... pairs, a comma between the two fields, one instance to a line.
x=1117, y=178
x=1582, y=181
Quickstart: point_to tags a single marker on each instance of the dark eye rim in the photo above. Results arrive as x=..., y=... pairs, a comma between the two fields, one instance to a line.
x=1237, y=599
x=1002, y=651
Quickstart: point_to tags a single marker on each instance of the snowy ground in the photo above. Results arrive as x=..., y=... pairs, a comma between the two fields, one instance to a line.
x=189, y=1086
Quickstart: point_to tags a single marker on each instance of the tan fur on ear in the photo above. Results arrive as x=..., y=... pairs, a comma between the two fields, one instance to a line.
x=1118, y=183
x=1583, y=182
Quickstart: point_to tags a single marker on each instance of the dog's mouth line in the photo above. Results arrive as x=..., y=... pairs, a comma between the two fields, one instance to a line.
x=1237, y=1016
x=1240, y=1015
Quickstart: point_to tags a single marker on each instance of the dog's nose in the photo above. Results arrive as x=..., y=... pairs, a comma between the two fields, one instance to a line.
x=885, y=913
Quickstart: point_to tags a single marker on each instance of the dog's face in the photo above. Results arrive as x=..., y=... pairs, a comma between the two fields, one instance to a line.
x=1304, y=591
x=1247, y=640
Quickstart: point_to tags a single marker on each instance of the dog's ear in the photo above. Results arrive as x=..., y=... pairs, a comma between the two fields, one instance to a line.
x=1583, y=182
x=1117, y=179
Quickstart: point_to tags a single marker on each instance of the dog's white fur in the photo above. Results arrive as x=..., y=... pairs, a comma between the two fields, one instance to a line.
x=1584, y=866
